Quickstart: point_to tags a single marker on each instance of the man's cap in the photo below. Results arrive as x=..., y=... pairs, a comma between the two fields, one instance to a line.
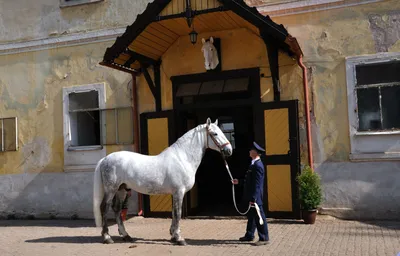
x=257, y=147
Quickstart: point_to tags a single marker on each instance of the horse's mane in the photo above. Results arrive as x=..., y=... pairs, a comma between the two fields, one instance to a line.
x=188, y=135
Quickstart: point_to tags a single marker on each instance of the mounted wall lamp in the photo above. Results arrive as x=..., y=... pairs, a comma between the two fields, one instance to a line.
x=189, y=19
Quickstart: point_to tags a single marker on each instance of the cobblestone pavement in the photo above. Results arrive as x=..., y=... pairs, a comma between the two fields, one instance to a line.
x=328, y=236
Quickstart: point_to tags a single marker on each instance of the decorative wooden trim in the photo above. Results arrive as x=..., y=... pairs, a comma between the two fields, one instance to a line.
x=149, y=81
x=153, y=9
x=272, y=52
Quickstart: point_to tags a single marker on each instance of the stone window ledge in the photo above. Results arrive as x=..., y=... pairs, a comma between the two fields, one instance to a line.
x=377, y=133
x=85, y=148
x=64, y=3
x=80, y=168
x=374, y=157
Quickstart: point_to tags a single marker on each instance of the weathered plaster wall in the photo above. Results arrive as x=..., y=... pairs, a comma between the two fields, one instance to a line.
x=327, y=37
x=28, y=20
x=31, y=89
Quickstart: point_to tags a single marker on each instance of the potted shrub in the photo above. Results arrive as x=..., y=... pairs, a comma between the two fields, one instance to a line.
x=310, y=194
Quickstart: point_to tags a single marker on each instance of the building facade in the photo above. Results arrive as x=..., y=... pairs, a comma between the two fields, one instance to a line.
x=60, y=90
x=58, y=105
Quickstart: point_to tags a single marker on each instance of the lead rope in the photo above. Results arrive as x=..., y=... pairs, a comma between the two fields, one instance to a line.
x=234, y=200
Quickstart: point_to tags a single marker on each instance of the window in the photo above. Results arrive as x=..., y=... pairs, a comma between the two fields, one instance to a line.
x=88, y=122
x=213, y=87
x=84, y=117
x=373, y=93
x=66, y=3
x=89, y=126
x=378, y=94
x=8, y=134
x=229, y=130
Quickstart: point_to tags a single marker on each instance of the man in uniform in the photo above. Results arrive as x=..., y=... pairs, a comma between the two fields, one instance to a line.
x=253, y=193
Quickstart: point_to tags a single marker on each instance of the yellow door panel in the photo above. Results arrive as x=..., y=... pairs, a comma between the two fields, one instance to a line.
x=157, y=132
x=276, y=131
x=279, y=188
x=161, y=203
x=157, y=135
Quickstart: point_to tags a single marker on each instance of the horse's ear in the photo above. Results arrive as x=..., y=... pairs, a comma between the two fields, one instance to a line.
x=203, y=40
x=216, y=122
x=212, y=40
x=208, y=121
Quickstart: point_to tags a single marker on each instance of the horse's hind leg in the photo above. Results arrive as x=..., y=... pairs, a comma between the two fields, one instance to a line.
x=104, y=207
x=117, y=207
x=177, y=199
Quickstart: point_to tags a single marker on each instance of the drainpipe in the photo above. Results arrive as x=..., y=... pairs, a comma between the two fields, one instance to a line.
x=136, y=132
x=307, y=108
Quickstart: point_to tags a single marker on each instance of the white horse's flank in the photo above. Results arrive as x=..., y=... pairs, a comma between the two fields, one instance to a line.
x=171, y=172
x=210, y=53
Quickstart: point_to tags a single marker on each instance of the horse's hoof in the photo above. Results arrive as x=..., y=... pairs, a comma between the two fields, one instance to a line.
x=108, y=241
x=178, y=242
x=127, y=238
x=181, y=242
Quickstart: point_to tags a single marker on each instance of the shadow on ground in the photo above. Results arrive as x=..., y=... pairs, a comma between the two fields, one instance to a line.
x=286, y=222
x=52, y=223
x=193, y=242
x=70, y=240
x=137, y=241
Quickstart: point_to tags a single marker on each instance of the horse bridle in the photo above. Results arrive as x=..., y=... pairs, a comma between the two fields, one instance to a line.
x=221, y=147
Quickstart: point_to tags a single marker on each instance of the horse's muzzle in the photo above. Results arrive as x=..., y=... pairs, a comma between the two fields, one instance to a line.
x=227, y=150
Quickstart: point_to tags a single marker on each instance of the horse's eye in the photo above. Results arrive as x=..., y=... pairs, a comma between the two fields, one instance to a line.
x=215, y=134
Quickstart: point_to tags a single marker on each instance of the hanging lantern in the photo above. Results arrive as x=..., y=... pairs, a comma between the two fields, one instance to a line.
x=193, y=36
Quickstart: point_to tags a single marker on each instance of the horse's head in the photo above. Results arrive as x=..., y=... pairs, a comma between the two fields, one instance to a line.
x=216, y=139
x=210, y=53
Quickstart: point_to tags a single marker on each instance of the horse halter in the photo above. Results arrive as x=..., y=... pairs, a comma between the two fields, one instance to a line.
x=221, y=147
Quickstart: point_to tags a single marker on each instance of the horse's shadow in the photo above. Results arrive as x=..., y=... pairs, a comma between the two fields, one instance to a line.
x=191, y=242
x=97, y=239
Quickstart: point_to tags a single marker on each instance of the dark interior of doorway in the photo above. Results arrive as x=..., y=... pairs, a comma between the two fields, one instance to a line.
x=214, y=188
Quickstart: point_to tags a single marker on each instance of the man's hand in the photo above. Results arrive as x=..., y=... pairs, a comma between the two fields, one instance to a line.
x=235, y=181
x=251, y=203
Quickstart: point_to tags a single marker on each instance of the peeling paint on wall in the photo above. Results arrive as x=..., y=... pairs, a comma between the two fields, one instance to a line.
x=385, y=29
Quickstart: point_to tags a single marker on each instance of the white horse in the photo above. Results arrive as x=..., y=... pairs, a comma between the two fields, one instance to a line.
x=173, y=172
x=210, y=54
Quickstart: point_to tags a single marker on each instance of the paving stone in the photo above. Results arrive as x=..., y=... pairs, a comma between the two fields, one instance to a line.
x=328, y=236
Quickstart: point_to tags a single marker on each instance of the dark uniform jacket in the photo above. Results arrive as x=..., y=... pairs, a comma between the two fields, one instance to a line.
x=254, y=183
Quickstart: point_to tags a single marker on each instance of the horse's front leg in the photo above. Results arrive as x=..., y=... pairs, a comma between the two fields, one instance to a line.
x=177, y=200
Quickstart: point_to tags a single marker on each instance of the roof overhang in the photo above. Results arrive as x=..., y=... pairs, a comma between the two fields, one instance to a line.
x=164, y=21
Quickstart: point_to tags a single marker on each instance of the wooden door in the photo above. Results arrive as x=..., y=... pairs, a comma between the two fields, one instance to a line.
x=276, y=125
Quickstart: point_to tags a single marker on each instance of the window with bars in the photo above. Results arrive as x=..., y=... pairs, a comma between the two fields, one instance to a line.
x=92, y=126
x=8, y=134
x=378, y=96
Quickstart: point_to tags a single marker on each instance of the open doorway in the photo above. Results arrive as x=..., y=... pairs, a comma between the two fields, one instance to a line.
x=212, y=193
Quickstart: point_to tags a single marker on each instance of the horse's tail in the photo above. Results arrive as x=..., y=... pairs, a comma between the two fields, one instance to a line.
x=98, y=194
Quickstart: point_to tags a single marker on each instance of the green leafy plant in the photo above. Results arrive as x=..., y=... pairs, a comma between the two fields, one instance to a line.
x=310, y=190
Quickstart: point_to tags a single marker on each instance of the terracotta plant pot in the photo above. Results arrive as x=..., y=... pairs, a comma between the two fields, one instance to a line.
x=309, y=216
